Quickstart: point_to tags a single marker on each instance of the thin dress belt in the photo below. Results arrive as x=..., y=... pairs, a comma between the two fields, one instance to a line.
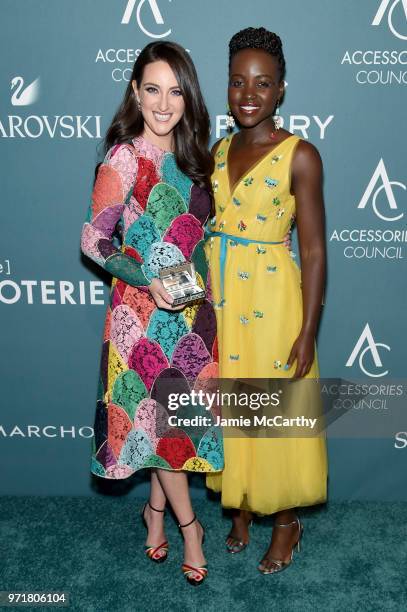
x=223, y=251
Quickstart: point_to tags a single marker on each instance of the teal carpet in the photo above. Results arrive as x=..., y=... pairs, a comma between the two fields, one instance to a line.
x=354, y=558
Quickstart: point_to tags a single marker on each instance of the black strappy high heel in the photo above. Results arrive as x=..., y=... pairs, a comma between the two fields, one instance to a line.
x=189, y=570
x=153, y=552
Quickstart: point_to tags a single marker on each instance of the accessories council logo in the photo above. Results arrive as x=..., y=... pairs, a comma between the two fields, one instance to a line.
x=389, y=6
x=382, y=67
x=380, y=174
x=136, y=6
x=366, y=338
x=375, y=242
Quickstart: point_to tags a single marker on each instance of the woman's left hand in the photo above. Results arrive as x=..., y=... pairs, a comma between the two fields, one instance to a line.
x=303, y=352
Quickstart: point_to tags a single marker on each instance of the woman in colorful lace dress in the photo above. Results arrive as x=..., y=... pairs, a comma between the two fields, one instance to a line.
x=150, y=202
x=267, y=311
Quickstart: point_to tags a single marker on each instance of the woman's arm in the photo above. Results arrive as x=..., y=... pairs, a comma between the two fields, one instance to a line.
x=306, y=185
x=112, y=189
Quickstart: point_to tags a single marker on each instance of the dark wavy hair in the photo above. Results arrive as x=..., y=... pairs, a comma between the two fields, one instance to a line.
x=258, y=38
x=191, y=134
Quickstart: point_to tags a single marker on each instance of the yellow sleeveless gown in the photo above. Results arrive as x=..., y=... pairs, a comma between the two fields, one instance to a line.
x=258, y=303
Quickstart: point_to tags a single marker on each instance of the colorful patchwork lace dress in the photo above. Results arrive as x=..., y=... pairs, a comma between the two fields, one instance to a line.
x=158, y=214
x=256, y=289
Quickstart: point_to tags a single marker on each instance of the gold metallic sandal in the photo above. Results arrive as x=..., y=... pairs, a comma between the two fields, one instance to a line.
x=279, y=564
x=237, y=545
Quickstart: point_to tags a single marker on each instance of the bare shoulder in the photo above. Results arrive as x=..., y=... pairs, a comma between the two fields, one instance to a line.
x=306, y=157
x=215, y=147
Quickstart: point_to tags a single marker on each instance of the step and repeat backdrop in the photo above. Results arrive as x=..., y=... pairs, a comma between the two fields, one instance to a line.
x=64, y=67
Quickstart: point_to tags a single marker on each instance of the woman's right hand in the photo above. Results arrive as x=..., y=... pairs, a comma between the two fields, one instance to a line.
x=161, y=297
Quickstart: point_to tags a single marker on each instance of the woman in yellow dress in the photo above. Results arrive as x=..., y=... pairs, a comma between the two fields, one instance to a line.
x=267, y=310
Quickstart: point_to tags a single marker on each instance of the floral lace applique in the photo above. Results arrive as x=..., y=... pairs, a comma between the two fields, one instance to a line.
x=125, y=162
x=118, y=426
x=148, y=360
x=128, y=391
x=185, y=232
x=161, y=255
x=147, y=177
x=173, y=176
x=164, y=205
x=176, y=448
x=136, y=449
x=141, y=234
x=141, y=303
x=200, y=204
x=126, y=329
x=167, y=328
x=131, y=213
x=190, y=355
x=210, y=448
x=148, y=151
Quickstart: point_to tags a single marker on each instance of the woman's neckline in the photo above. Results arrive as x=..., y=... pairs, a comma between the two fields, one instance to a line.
x=148, y=143
x=254, y=166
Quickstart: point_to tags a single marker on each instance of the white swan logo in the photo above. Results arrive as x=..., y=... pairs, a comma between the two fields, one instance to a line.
x=131, y=5
x=386, y=184
x=24, y=96
x=380, y=14
x=367, y=336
